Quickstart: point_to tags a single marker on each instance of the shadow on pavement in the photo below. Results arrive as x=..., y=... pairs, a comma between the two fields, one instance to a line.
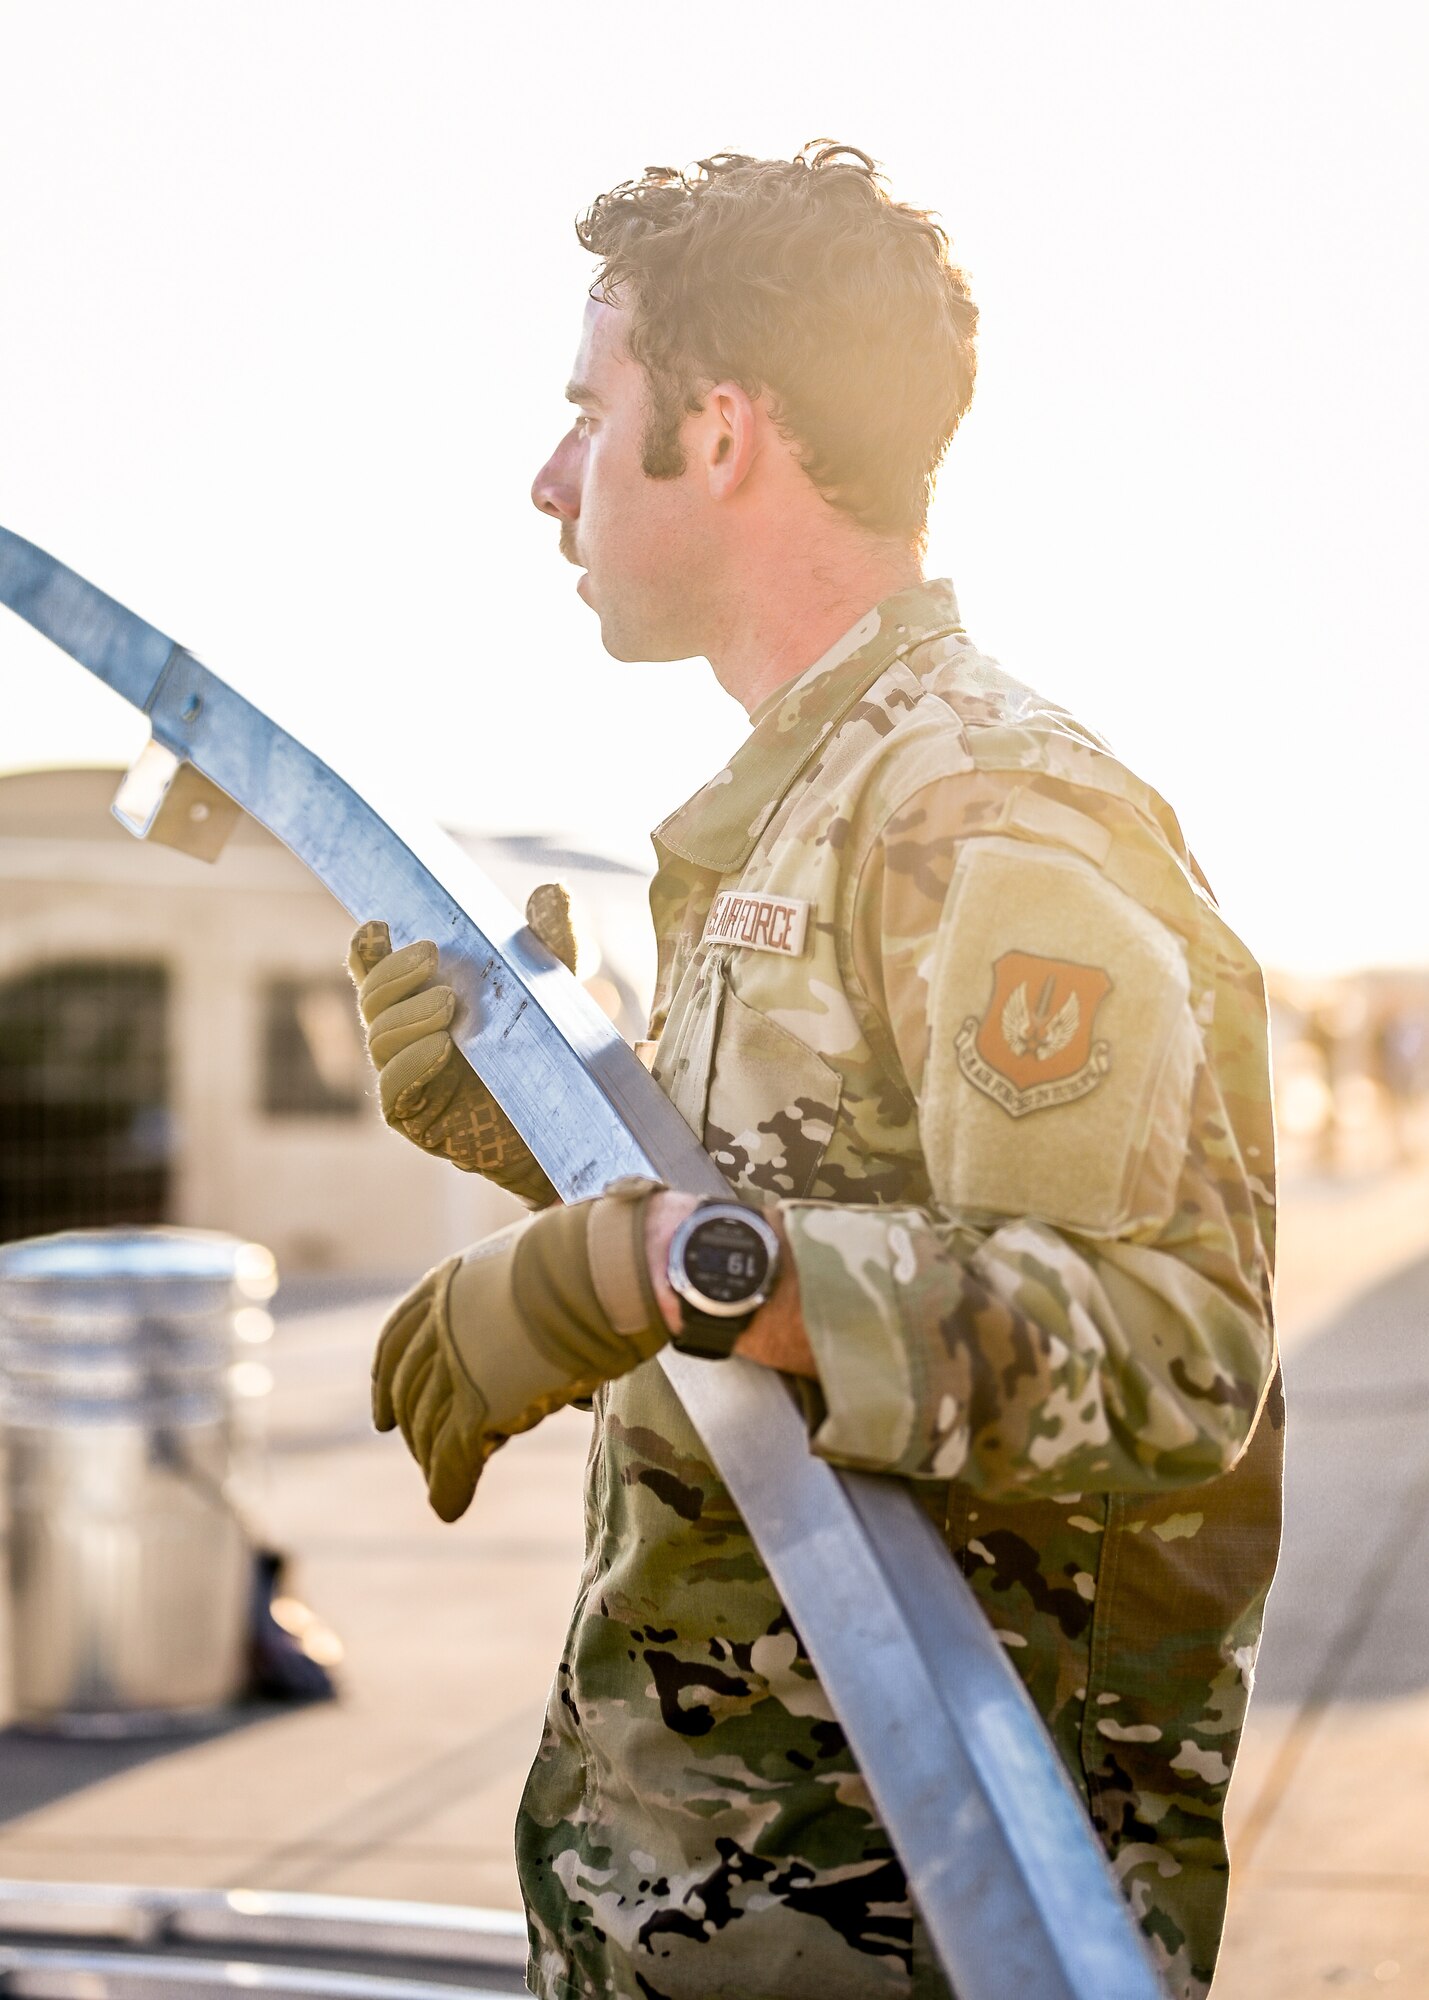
x=38, y=1770
x=304, y=1292
x=1348, y=1618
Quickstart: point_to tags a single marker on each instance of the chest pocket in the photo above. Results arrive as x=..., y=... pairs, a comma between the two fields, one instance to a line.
x=764, y=1103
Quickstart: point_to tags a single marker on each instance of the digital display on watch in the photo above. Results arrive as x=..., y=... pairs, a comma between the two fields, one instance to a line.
x=726, y=1260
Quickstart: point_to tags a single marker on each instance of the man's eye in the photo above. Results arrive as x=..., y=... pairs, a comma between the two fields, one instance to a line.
x=582, y=424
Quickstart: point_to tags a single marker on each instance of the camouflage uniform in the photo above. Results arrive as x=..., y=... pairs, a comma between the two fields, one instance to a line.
x=1009, y=1093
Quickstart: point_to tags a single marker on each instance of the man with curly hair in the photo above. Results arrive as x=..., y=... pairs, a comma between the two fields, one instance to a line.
x=947, y=999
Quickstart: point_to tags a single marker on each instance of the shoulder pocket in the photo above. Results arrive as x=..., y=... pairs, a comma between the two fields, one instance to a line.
x=1062, y=1050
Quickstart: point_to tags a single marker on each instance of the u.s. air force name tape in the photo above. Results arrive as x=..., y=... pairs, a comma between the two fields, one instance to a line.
x=758, y=922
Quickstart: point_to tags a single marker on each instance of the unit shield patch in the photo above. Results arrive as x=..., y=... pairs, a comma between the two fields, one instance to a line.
x=1033, y=1046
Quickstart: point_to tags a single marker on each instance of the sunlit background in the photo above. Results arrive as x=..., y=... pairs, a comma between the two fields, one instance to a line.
x=288, y=294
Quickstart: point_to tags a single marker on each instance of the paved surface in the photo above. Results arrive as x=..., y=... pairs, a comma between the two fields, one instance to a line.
x=408, y=1786
x=1330, y=1802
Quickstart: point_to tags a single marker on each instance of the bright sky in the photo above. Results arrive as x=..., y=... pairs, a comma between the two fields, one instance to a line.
x=289, y=291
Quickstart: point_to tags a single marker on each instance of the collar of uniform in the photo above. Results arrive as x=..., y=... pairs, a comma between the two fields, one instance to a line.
x=718, y=828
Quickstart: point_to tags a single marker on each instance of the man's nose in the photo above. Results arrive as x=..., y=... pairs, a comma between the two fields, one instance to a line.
x=556, y=488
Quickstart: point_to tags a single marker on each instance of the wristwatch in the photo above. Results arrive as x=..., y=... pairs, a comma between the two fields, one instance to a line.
x=724, y=1260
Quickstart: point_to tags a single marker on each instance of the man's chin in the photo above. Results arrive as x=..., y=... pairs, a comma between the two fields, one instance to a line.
x=626, y=641
x=621, y=648
x=615, y=635
x=632, y=651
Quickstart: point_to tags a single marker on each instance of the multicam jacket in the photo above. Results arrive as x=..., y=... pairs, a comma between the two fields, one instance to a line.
x=939, y=981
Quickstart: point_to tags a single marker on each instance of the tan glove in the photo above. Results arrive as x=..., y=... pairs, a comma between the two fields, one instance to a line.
x=526, y=1321
x=428, y=1090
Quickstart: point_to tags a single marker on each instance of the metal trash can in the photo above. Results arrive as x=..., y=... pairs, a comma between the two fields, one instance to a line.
x=125, y=1397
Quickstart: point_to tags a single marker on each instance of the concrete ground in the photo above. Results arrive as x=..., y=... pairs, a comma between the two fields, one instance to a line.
x=1329, y=1817
x=408, y=1785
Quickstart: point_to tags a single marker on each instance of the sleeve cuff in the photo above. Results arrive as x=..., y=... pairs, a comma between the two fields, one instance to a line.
x=851, y=1263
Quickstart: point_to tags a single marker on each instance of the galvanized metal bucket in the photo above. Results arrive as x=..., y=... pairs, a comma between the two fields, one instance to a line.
x=126, y=1375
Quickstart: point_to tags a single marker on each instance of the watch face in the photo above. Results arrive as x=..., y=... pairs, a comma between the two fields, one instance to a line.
x=726, y=1260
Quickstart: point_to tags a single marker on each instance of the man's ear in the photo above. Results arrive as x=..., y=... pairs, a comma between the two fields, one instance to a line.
x=730, y=438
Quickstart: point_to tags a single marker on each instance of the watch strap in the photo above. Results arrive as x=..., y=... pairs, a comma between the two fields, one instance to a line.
x=710, y=1338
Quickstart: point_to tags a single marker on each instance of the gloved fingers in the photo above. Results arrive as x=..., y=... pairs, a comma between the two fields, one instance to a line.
x=453, y=1470
x=408, y=1381
x=399, y=1331
x=395, y=977
x=386, y=1407
x=548, y=912
x=423, y=1078
x=451, y=1487
x=393, y=1349
x=398, y=1026
x=367, y=947
x=430, y=1399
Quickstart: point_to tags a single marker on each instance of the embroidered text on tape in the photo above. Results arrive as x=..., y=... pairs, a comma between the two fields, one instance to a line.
x=758, y=922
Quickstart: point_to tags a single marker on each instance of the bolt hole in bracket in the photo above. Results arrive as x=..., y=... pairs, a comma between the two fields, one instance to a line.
x=1011, y=1882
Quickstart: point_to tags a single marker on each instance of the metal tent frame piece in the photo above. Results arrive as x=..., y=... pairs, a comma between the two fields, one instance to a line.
x=1009, y=1878
x=102, y=1941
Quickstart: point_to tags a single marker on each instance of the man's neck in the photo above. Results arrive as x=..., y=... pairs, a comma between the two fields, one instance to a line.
x=776, y=627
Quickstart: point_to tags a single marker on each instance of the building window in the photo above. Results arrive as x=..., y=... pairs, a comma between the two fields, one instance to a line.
x=314, y=1065
x=85, y=1132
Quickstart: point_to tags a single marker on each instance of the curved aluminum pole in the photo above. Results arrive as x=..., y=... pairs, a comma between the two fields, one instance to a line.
x=1011, y=1882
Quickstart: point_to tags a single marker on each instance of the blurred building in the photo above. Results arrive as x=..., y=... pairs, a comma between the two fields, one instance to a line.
x=179, y=1043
